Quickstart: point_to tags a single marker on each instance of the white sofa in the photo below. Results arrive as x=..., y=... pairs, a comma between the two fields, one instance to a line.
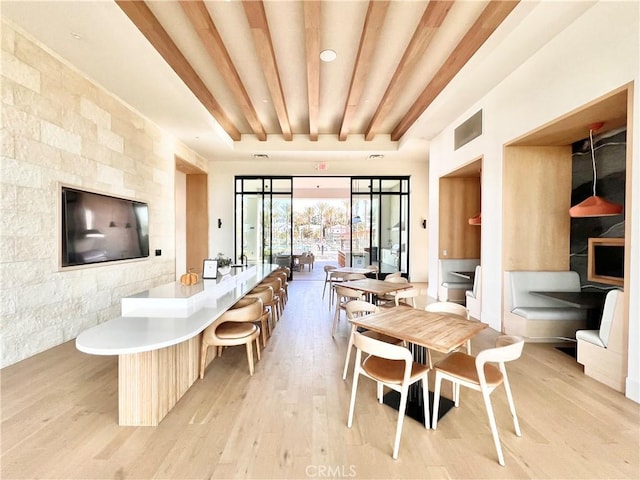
x=603, y=351
x=473, y=295
x=452, y=288
x=540, y=319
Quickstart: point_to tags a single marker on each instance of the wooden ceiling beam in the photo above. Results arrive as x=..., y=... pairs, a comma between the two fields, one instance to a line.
x=202, y=23
x=312, y=46
x=490, y=18
x=431, y=21
x=376, y=13
x=143, y=19
x=257, y=18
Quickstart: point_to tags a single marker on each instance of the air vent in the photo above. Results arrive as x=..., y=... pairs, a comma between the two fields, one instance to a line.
x=260, y=156
x=376, y=156
x=467, y=131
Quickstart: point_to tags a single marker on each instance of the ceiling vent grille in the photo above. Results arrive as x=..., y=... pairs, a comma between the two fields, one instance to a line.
x=468, y=130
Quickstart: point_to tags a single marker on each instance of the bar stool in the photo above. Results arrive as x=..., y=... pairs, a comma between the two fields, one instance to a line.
x=283, y=276
x=264, y=293
x=278, y=293
x=236, y=326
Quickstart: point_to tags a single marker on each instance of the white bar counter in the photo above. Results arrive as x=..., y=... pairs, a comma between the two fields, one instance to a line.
x=157, y=340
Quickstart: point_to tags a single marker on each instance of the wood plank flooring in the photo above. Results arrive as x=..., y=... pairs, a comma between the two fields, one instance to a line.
x=59, y=418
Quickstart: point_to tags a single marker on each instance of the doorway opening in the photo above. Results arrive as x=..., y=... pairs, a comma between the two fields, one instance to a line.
x=321, y=208
x=345, y=221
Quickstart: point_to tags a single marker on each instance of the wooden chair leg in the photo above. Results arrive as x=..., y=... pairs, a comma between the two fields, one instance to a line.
x=203, y=359
x=263, y=327
x=250, y=357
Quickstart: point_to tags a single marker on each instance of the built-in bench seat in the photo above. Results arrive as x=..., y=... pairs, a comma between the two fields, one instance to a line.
x=452, y=288
x=473, y=296
x=541, y=319
x=603, y=351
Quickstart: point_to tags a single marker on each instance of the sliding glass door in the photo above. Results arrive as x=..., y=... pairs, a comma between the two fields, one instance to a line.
x=379, y=223
x=264, y=219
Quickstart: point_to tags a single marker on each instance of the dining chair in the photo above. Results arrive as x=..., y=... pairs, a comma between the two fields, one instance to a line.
x=343, y=296
x=347, y=277
x=452, y=308
x=334, y=277
x=406, y=297
x=236, y=326
x=327, y=270
x=390, y=365
x=393, y=275
x=478, y=374
x=374, y=269
x=388, y=299
x=358, y=308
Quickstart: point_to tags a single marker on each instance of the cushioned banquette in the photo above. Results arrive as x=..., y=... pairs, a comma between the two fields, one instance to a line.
x=452, y=288
x=603, y=351
x=536, y=318
x=473, y=296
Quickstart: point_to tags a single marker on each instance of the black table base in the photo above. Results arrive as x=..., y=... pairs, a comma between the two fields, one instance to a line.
x=415, y=407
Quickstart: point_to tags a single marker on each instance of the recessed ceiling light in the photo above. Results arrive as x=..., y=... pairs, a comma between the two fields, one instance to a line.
x=328, y=55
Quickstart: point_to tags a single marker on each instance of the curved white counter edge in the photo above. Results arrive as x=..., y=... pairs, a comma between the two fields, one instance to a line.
x=158, y=356
x=135, y=334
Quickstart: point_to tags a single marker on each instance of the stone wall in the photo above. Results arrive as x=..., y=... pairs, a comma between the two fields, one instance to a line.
x=59, y=127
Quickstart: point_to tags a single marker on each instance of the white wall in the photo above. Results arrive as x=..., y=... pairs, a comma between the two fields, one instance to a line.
x=221, y=188
x=596, y=54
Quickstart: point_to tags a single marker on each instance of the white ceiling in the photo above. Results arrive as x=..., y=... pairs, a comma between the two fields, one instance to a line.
x=115, y=54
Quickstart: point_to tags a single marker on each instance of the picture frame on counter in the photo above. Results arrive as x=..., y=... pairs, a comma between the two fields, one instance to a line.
x=209, y=269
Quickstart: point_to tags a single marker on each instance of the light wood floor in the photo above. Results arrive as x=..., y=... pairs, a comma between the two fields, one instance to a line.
x=59, y=418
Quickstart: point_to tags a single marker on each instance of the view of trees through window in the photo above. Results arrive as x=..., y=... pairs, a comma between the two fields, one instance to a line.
x=320, y=226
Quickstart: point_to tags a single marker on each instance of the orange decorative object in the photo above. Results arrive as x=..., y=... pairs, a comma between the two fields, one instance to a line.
x=189, y=278
x=595, y=206
x=477, y=220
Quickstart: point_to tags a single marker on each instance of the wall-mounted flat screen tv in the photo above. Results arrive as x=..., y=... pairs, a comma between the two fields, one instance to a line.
x=99, y=228
x=605, y=261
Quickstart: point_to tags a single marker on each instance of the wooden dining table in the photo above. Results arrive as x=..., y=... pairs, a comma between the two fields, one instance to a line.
x=361, y=270
x=442, y=332
x=374, y=288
